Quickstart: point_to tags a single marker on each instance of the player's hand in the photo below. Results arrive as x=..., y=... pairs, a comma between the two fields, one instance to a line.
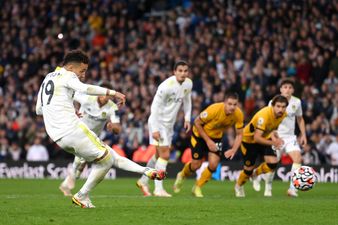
x=303, y=140
x=121, y=98
x=278, y=143
x=78, y=114
x=212, y=146
x=230, y=153
x=157, y=136
x=187, y=126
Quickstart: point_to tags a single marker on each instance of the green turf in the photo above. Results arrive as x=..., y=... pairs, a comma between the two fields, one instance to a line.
x=119, y=202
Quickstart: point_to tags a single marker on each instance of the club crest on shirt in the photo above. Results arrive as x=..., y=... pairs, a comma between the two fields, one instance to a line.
x=104, y=114
x=260, y=121
x=293, y=107
x=204, y=114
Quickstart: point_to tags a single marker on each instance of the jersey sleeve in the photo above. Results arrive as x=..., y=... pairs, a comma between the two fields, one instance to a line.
x=80, y=97
x=187, y=103
x=239, y=119
x=74, y=83
x=299, y=111
x=261, y=121
x=208, y=114
x=157, y=105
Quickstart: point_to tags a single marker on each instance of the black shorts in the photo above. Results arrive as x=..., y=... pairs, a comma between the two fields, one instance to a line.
x=252, y=150
x=199, y=147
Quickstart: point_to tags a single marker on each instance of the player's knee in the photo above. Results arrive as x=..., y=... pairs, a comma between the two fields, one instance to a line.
x=272, y=166
x=195, y=165
x=211, y=168
x=248, y=172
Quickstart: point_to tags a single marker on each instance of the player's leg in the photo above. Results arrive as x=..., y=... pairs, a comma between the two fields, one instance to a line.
x=250, y=153
x=143, y=182
x=69, y=182
x=213, y=159
x=268, y=177
x=161, y=164
x=190, y=167
x=296, y=159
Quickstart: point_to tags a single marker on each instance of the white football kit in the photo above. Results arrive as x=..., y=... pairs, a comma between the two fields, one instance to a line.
x=55, y=103
x=94, y=116
x=167, y=101
x=286, y=130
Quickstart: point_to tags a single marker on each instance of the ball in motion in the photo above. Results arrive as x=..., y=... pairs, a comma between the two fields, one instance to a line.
x=304, y=178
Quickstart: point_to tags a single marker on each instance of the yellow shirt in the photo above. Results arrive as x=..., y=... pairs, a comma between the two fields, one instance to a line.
x=263, y=120
x=215, y=122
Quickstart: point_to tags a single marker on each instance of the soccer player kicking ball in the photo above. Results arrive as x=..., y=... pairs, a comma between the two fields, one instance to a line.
x=286, y=131
x=168, y=99
x=206, y=140
x=95, y=112
x=55, y=104
x=258, y=138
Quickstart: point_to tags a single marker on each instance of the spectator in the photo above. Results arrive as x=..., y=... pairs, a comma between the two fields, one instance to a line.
x=37, y=152
x=310, y=155
x=332, y=152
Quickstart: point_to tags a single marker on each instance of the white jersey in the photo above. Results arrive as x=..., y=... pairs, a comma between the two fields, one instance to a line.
x=167, y=101
x=55, y=102
x=94, y=116
x=287, y=126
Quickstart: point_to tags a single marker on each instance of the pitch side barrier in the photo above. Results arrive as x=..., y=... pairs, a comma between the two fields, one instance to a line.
x=227, y=171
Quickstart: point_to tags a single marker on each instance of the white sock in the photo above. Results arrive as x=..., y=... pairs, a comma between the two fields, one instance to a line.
x=151, y=163
x=293, y=168
x=161, y=164
x=100, y=169
x=126, y=164
x=78, y=166
x=98, y=172
x=268, y=177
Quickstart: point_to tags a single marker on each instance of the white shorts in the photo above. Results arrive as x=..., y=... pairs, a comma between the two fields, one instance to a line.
x=166, y=135
x=290, y=145
x=83, y=143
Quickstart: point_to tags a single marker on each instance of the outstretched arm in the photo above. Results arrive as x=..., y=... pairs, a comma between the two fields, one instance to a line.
x=229, y=154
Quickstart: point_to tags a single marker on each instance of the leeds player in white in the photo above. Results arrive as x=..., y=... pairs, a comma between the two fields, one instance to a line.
x=286, y=132
x=55, y=104
x=95, y=112
x=168, y=99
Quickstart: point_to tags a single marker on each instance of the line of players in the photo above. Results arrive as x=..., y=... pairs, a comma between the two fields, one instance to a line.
x=259, y=138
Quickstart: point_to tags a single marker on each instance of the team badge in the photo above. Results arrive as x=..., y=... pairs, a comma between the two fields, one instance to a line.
x=260, y=121
x=293, y=107
x=247, y=163
x=204, y=114
x=104, y=114
x=196, y=155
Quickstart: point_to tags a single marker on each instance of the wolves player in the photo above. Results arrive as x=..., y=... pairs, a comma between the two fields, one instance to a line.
x=258, y=138
x=168, y=99
x=286, y=131
x=95, y=112
x=206, y=140
x=55, y=103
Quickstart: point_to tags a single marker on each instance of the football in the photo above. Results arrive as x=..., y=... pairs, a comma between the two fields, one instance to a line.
x=304, y=178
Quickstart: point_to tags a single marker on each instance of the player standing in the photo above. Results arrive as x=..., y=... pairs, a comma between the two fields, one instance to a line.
x=168, y=99
x=55, y=103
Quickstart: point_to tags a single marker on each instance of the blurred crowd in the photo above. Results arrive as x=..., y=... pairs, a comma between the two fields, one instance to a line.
x=244, y=46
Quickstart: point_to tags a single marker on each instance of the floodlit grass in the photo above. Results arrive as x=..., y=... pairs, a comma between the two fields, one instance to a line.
x=120, y=202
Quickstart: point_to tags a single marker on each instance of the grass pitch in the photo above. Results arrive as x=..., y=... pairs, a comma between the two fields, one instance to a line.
x=32, y=202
